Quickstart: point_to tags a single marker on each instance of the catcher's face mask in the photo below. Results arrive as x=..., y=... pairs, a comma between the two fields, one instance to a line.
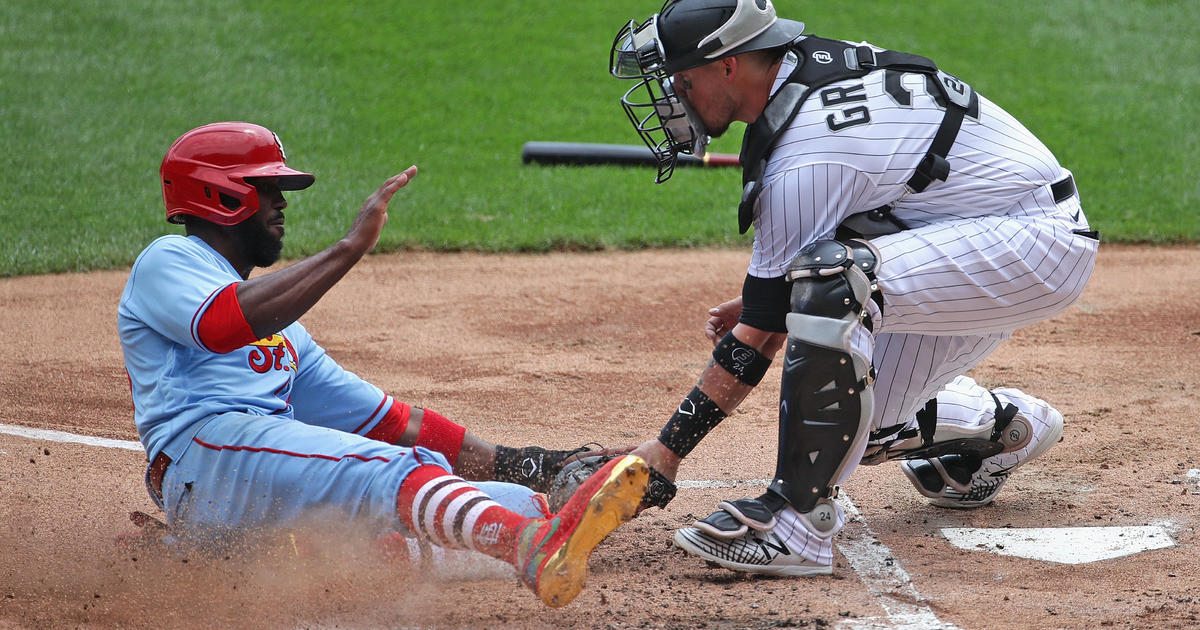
x=664, y=121
x=686, y=34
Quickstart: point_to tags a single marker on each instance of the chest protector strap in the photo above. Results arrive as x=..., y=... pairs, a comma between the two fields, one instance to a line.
x=823, y=61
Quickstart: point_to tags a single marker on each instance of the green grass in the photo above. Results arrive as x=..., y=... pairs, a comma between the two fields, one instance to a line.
x=92, y=93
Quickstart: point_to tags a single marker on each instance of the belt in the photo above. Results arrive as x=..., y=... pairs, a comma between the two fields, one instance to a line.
x=1063, y=189
x=158, y=468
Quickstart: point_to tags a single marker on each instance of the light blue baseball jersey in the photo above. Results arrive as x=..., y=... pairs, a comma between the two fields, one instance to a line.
x=177, y=382
x=260, y=434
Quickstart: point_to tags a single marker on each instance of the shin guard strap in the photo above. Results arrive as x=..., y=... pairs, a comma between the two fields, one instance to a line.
x=696, y=416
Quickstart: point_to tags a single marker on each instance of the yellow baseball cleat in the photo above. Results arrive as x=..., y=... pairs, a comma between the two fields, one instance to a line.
x=553, y=554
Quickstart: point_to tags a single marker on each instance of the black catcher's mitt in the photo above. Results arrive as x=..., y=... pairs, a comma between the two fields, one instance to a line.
x=658, y=494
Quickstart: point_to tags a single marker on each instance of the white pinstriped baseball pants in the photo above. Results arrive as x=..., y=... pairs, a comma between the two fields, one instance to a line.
x=953, y=291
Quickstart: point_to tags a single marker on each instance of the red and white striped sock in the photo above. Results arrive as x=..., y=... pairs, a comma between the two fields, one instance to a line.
x=449, y=512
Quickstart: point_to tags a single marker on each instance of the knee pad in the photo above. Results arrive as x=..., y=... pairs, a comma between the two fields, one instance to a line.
x=1008, y=431
x=866, y=259
x=826, y=402
x=824, y=258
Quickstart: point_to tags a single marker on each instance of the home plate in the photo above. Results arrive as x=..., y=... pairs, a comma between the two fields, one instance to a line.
x=1068, y=545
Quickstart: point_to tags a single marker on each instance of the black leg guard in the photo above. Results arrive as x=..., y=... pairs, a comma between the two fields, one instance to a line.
x=819, y=421
x=826, y=402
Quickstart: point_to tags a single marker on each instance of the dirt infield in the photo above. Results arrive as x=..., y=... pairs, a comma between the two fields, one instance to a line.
x=566, y=348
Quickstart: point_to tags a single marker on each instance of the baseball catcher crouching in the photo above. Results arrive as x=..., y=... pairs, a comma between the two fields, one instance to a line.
x=904, y=227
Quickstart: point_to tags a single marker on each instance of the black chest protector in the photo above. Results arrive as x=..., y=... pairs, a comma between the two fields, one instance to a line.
x=823, y=61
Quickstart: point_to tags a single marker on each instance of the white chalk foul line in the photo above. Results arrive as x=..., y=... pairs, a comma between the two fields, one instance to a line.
x=870, y=559
x=70, y=438
x=880, y=571
x=736, y=483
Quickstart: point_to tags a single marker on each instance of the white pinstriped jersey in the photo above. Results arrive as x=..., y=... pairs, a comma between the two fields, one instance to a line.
x=857, y=152
x=987, y=251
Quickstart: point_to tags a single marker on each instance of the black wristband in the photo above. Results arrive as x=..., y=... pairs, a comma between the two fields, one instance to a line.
x=696, y=416
x=743, y=361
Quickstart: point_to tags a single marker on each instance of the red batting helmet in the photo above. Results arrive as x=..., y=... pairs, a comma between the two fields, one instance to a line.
x=209, y=172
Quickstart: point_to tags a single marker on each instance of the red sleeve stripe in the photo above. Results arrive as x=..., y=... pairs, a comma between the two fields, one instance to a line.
x=198, y=314
x=223, y=327
x=392, y=425
x=371, y=417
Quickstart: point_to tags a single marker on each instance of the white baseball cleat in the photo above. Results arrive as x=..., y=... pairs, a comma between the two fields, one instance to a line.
x=966, y=481
x=753, y=552
x=784, y=544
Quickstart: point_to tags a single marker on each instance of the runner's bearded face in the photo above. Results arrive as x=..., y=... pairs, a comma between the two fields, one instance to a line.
x=259, y=239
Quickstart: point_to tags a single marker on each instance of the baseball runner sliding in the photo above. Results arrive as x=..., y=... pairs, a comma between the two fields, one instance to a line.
x=904, y=227
x=249, y=425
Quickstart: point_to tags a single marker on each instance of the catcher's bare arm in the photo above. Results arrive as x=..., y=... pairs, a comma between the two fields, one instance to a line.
x=740, y=359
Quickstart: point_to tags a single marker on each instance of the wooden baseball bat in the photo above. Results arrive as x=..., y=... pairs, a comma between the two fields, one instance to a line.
x=590, y=153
